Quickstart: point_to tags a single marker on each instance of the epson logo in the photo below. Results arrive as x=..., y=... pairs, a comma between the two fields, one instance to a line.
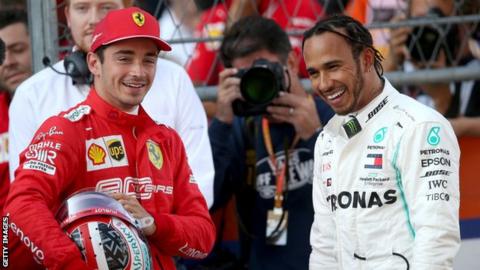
x=435, y=161
x=436, y=172
x=362, y=199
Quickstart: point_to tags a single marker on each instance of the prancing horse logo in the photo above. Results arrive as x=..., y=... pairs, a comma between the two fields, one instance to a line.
x=138, y=18
x=155, y=154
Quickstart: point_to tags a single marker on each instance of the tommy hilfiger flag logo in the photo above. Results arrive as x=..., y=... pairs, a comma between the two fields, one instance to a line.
x=376, y=161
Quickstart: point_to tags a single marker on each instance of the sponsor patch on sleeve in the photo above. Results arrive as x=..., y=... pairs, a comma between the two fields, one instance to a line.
x=40, y=166
x=77, y=113
x=41, y=156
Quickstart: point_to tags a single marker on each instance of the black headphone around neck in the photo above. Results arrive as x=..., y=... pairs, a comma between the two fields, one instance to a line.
x=75, y=66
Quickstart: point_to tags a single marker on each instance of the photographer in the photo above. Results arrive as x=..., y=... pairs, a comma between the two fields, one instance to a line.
x=250, y=139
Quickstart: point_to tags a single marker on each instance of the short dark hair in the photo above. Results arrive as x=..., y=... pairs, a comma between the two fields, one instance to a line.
x=355, y=34
x=101, y=53
x=251, y=34
x=11, y=16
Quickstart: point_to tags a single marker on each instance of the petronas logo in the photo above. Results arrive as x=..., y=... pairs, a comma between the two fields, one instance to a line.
x=352, y=127
x=433, y=138
x=379, y=135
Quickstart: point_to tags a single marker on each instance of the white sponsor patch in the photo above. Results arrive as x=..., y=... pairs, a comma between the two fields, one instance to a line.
x=40, y=166
x=45, y=151
x=42, y=155
x=4, y=147
x=78, y=113
x=101, y=153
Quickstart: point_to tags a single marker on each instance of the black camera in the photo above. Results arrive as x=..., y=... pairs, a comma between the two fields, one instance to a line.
x=426, y=41
x=259, y=85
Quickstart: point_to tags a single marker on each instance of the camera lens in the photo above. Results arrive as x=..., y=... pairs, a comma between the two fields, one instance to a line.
x=423, y=43
x=259, y=85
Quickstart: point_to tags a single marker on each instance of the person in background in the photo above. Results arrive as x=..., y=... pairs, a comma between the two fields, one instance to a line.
x=265, y=158
x=386, y=172
x=14, y=69
x=149, y=174
x=458, y=101
x=17, y=66
x=291, y=15
x=372, y=11
x=178, y=21
x=172, y=101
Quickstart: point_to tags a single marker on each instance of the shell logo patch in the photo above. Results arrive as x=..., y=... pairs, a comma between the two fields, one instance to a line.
x=138, y=18
x=105, y=152
x=155, y=154
x=96, y=154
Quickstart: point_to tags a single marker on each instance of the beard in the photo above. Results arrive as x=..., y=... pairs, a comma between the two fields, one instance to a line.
x=356, y=91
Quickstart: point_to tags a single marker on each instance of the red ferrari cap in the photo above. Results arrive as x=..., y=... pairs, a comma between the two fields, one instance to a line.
x=127, y=23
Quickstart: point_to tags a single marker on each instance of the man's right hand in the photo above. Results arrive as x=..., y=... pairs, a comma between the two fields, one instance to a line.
x=398, y=50
x=228, y=91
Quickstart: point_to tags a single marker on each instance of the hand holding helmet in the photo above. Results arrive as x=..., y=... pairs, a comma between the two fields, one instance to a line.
x=133, y=206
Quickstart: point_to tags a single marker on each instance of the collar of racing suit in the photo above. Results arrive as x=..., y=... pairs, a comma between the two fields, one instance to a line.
x=366, y=114
x=109, y=112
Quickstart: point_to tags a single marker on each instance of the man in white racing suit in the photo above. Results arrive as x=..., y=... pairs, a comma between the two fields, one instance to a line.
x=386, y=173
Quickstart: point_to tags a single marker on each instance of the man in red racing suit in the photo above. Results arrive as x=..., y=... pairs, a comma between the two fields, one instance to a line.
x=98, y=145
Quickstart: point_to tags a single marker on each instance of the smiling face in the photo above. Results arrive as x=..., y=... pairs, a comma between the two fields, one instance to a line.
x=336, y=76
x=17, y=66
x=83, y=15
x=127, y=72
